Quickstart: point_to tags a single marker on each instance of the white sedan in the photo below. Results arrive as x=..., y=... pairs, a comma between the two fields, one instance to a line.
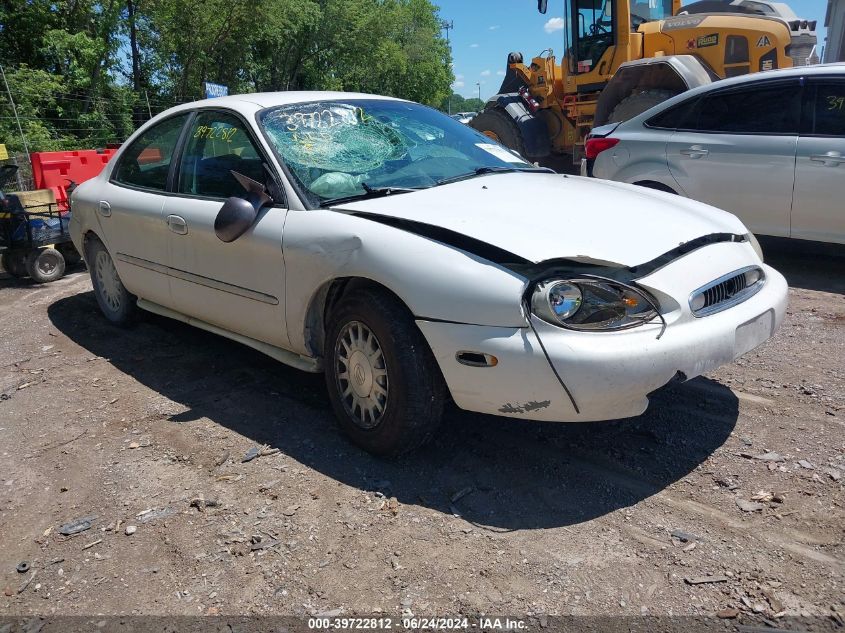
x=412, y=259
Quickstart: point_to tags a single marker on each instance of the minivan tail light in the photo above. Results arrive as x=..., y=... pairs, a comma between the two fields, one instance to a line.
x=596, y=146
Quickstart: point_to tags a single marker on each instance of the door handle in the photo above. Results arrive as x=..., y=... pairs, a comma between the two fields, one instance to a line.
x=831, y=159
x=696, y=151
x=177, y=224
x=104, y=208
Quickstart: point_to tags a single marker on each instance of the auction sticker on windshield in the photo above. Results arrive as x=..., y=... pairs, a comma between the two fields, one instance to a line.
x=499, y=152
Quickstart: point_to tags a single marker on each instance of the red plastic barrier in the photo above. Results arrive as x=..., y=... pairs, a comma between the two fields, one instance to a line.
x=55, y=170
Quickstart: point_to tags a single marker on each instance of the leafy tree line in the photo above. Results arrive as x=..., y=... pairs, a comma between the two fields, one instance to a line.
x=456, y=103
x=84, y=73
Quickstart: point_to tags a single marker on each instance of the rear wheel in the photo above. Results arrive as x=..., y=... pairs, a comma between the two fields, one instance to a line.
x=638, y=103
x=45, y=265
x=14, y=263
x=115, y=301
x=384, y=384
x=496, y=124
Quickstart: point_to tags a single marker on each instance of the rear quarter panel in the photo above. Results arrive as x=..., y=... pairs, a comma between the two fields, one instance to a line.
x=639, y=156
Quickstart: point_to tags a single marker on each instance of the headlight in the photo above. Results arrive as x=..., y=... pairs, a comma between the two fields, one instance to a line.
x=584, y=303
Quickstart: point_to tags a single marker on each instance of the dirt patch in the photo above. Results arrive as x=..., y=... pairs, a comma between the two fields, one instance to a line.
x=144, y=433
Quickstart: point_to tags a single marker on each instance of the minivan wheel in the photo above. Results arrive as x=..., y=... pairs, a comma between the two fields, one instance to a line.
x=115, y=301
x=383, y=381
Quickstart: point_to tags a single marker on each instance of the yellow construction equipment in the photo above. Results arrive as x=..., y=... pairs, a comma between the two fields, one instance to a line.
x=625, y=56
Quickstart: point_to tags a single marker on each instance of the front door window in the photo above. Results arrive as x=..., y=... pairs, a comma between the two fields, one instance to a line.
x=218, y=144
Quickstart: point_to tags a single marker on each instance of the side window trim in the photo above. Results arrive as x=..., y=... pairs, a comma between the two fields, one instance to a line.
x=113, y=175
x=183, y=145
x=178, y=153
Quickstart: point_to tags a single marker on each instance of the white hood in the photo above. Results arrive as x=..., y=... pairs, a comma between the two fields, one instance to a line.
x=541, y=216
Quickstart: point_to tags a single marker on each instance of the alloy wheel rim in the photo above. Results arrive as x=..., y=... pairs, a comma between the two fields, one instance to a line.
x=361, y=374
x=108, y=283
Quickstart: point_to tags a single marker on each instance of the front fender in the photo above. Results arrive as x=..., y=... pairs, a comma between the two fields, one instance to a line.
x=436, y=281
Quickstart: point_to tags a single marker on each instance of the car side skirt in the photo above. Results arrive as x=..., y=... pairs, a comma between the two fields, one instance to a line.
x=298, y=361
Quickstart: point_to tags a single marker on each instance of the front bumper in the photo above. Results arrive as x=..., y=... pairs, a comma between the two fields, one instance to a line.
x=608, y=375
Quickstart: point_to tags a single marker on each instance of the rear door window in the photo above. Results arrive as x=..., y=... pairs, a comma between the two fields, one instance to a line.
x=824, y=110
x=763, y=109
x=218, y=144
x=146, y=162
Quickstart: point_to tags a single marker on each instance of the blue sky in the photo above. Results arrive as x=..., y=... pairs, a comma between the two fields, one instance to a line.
x=486, y=31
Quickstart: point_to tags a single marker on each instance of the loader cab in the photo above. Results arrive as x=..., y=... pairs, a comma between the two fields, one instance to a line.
x=592, y=28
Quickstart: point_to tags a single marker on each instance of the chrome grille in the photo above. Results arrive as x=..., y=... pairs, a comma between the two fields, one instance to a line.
x=726, y=291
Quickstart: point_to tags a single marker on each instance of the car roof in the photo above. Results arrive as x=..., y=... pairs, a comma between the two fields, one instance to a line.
x=837, y=68
x=255, y=100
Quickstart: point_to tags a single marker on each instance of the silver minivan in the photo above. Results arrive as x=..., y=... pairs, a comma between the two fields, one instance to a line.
x=768, y=147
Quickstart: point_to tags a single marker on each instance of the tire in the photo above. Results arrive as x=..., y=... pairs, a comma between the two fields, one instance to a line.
x=116, y=303
x=45, y=265
x=638, y=103
x=71, y=255
x=496, y=124
x=388, y=403
x=15, y=264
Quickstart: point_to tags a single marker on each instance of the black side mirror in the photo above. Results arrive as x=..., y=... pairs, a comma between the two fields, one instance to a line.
x=542, y=6
x=238, y=214
x=234, y=219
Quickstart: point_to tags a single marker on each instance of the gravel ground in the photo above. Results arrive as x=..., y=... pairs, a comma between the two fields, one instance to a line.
x=725, y=497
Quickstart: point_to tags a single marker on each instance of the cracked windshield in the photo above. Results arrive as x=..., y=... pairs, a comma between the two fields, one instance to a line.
x=339, y=150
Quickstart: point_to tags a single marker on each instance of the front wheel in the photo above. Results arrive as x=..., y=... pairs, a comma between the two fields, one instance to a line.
x=115, y=301
x=383, y=381
x=45, y=265
x=497, y=124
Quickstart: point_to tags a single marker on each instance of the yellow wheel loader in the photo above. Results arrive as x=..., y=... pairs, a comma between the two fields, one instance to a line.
x=625, y=56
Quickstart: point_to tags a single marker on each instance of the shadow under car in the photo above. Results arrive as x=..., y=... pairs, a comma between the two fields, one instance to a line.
x=500, y=473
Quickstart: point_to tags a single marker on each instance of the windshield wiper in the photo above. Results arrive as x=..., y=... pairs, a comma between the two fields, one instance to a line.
x=369, y=193
x=480, y=171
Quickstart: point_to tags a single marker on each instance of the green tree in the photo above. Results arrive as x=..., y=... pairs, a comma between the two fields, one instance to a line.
x=87, y=72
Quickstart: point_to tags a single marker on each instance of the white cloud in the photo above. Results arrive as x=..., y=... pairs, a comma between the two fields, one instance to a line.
x=473, y=45
x=458, y=84
x=554, y=24
x=501, y=73
x=493, y=28
x=459, y=77
x=485, y=73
